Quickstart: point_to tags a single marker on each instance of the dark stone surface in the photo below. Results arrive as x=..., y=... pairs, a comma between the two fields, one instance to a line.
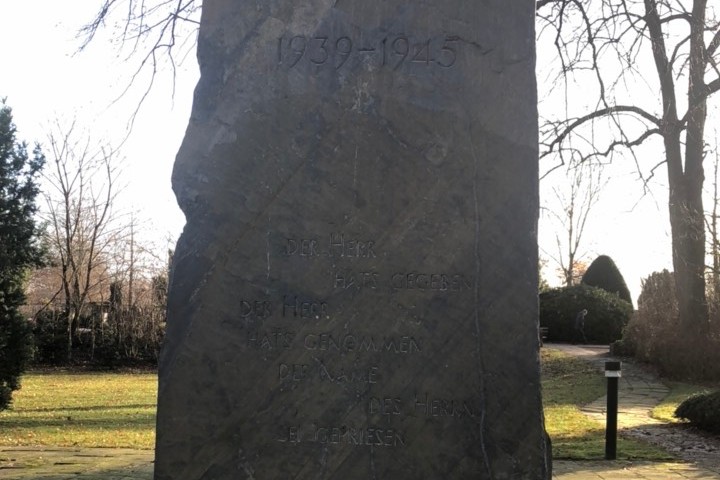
x=354, y=294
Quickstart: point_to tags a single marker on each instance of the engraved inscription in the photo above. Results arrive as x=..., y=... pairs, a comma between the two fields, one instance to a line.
x=255, y=309
x=370, y=375
x=294, y=371
x=278, y=340
x=340, y=358
x=343, y=435
x=430, y=281
x=294, y=306
x=332, y=342
x=338, y=245
x=356, y=280
x=444, y=407
x=422, y=406
x=438, y=282
x=359, y=436
x=393, y=51
x=298, y=372
x=385, y=406
x=302, y=247
x=341, y=246
x=354, y=343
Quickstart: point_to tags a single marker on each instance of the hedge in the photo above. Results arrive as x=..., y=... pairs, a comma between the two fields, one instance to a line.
x=607, y=313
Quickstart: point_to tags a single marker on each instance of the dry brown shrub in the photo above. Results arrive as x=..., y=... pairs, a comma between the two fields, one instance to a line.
x=655, y=334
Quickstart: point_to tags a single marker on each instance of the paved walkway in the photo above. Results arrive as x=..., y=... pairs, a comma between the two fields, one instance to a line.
x=25, y=463
x=638, y=394
x=617, y=470
x=54, y=463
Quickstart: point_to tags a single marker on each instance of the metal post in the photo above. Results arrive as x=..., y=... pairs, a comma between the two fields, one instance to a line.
x=613, y=373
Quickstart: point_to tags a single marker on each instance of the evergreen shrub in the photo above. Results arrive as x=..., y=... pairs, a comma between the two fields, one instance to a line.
x=50, y=338
x=606, y=317
x=603, y=273
x=702, y=411
x=15, y=342
x=19, y=250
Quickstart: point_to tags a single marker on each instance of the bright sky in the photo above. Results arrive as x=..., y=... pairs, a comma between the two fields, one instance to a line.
x=44, y=80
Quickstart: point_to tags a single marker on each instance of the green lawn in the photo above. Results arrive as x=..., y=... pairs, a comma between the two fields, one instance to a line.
x=678, y=392
x=82, y=409
x=118, y=410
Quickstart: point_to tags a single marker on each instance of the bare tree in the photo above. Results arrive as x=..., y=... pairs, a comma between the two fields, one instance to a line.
x=83, y=187
x=569, y=209
x=602, y=47
x=137, y=308
x=151, y=34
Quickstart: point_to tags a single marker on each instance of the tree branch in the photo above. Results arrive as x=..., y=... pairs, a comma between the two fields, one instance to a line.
x=598, y=114
x=714, y=44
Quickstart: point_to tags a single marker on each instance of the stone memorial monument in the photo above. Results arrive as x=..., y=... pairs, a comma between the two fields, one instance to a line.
x=354, y=295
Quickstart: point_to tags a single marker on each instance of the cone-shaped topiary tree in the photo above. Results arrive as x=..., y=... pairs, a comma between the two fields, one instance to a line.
x=603, y=273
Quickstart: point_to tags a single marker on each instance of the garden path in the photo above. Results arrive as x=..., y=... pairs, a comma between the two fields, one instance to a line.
x=639, y=392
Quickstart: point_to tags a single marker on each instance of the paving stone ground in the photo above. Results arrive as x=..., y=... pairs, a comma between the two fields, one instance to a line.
x=37, y=463
x=616, y=470
x=639, y=393
x=54, y=463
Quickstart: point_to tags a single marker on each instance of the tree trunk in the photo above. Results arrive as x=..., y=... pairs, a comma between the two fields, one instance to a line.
x=714, y=247
x=69, y=338
x=687, y=222
x=687, y=226
x=690, y=260
x=688, y=238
